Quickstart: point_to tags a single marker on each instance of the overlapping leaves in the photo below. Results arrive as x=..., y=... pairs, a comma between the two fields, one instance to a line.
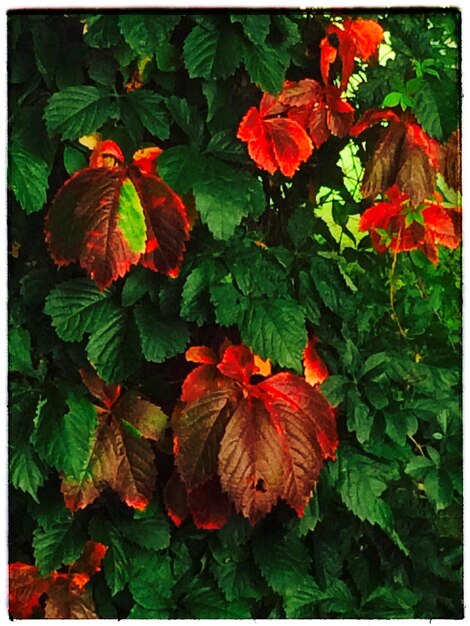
x=265, y=441
x=66, y=594
x=108, y=217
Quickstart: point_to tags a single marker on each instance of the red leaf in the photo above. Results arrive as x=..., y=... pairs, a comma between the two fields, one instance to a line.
x=107, y=394
x=121, y=457
x=146, y=160
x=26, y=586
x=90, y=561
x=201, y=354
x=315, y=370
x=108, y=217
x=275, y=143
x=356, y=39
x=264, y=441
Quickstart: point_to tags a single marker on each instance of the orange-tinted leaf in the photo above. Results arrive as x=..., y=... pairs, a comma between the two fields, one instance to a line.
x=176, y=499
x=26, y=586
x=90, y=561
x=315, y=370
x=275, y=143
x=146, y=159
x=201, y=354
x=356, y=39
x=121, y=457
x=264, y=441
x=108, y=217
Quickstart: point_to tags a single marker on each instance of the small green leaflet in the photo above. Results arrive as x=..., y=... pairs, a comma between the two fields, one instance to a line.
x=77, y=111
x=131, y=217
x=180, y=167
x=26, y=470
x=153, y=115
x=28, y=178
x=255, y=27
x=19, y=352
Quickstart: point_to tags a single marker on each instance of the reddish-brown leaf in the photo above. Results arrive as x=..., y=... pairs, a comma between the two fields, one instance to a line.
x=68, y=600
x=404, y=155
x=450, y=161
x=206, y=503
x=121, y=458
x=263, y=441
x=26, y=586
x=108, y=217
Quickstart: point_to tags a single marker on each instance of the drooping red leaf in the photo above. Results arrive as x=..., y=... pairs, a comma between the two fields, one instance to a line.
x=354, y=39
x=201, y=354
x=437, y=226
x=121, y=457
x=264, y=441
x=404, y=155
x=107, y=217
x=146, y=160
x=26, y=586
x=315, y=369
x=65, y=592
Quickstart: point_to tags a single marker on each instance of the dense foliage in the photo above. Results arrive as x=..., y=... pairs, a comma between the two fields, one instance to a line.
x=245, y=288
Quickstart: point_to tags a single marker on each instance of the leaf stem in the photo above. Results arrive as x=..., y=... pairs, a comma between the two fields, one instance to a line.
x=418, y=446
x=392, y=295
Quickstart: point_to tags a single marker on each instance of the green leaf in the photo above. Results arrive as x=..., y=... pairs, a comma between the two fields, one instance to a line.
x=205, y=601
x=225, y=195
x=161, y=339
x=439, y=489
x=212, y=51
x=361, y=483
x=19, y=352
x=149, y=529
x=77, y=111
x=150, y=109
x=187, y=117
x=138, y=282
x=77, y=307
x=399, y=426
x=113, y=348
x=328, y=282
x=66, y=441
x=195, y=304
x=26, y=470
x=427, y=111
x=229, y=304
x=266, y=66
x=180, y=167
x=224, y=145
x=28, y=178
x=392, y=99
x=282, y=559
x=74, y=159
x=334, y=388
x=152, y=581
x=58, y=542
x=145, y=34
x=301, y=224
x=275, y=330
x=255, y=27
